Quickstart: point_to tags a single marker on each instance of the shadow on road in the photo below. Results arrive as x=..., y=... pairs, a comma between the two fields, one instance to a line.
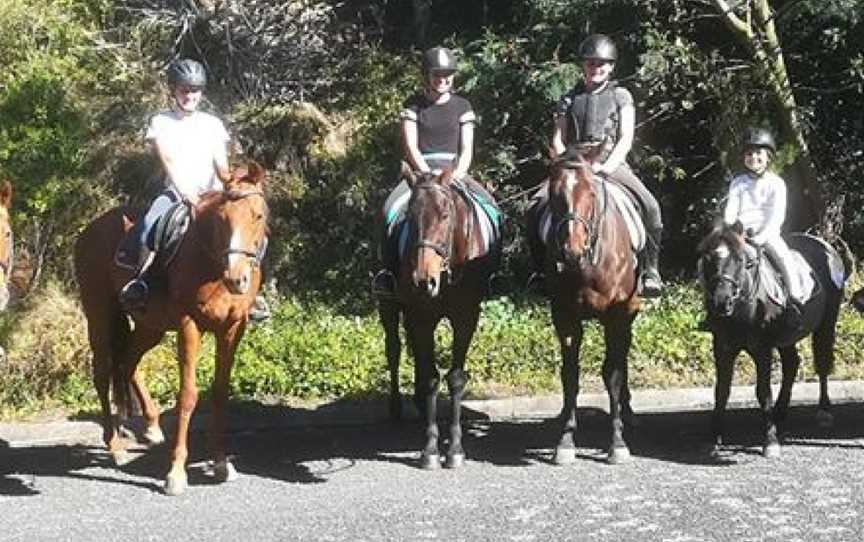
x=263, y=445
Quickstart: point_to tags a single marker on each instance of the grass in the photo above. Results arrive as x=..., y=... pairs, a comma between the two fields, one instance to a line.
x=309, y=351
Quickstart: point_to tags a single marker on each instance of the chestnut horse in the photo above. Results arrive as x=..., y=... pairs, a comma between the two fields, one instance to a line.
x=444, y=273
x=209, y=286
x=743, y=316
x=590, y=274
x=7, y=243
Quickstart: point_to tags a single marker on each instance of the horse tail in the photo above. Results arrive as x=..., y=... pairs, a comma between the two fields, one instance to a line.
x=120, y=384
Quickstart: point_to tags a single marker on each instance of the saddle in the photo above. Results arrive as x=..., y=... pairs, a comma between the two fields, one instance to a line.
x=619, y=199
x=164, y=238
x=804, y=282
x=486, y=213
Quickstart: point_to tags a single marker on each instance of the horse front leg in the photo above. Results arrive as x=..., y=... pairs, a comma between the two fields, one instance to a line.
x=569, y=330
x=771, y=444
x=190, y=341
x=388, y=313
x=790, y=362
x=457, y=379
x=618, y=336
x=724, y=361
x=226, y=348
x=427, y=379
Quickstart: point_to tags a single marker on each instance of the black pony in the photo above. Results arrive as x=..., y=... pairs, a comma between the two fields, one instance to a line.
x=742, y=316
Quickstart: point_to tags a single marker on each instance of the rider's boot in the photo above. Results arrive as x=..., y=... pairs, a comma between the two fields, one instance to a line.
x=135, y=293
x=652, y=286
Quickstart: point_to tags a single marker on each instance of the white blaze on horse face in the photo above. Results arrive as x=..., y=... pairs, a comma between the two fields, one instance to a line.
x=237, y=256
x=722, y=252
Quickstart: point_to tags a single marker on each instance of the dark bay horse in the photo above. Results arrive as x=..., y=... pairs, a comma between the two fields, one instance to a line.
x=743, y=316
x=209, y=286
x=590, y=274
x=7, y=242
x=443, y=273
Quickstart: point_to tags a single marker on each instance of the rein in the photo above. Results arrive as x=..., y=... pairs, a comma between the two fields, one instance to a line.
x=593, y=224
x=445, y=249
x=255, y=256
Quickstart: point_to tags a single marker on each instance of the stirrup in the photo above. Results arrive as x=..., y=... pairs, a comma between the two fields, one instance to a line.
x=384, y=284
x=134, y=294
x=652, y=286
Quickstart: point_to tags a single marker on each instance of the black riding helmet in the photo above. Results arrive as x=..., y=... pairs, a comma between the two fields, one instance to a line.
x=598, y=47
x=187, y=72
x=439, y=60
x=760, y=138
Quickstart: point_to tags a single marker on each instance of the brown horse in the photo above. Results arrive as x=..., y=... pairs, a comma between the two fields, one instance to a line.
x=444, y=273
x=591, y=274
x=209, y=286
x=7, y=243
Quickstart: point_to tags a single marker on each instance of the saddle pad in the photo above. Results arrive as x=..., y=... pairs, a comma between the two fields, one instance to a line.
x=621, y=201
x=836, y=267
x=486, y=214
x=803, y=282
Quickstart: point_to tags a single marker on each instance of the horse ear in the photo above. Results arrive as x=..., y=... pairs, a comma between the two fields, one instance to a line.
x=254, y=172
x=6, y=194
x=738, y=227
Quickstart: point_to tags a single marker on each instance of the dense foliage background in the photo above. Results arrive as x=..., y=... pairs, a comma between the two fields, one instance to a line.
x=311, y=89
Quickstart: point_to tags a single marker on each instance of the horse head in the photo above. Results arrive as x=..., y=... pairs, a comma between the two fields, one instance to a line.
x=432, y=212
x=728, y=268
x=571, y=203
x=233, y=224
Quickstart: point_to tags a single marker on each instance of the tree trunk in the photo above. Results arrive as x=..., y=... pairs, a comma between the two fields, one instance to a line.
x=758, y=34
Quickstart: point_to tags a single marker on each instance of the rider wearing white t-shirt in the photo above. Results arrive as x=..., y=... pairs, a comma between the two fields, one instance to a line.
x=192, y=149
x=757, y=199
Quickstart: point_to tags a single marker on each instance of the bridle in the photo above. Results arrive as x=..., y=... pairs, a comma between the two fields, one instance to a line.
x=254, y=256
x=740, y=295
x=591, y=224
x=444, y=249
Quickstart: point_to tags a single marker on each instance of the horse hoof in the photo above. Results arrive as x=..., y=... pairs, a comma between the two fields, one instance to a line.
x=224, y=471
x=565, y=456
x=430, y=461
x=175, y=484
x=825, y=419
x=454, y=461
x=771, y=451
x=153, y=435
x=618, y=455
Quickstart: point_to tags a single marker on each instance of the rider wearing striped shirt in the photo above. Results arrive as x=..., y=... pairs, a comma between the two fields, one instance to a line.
x=437, y=133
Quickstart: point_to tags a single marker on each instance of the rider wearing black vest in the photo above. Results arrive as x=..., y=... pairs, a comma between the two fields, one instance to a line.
x=598, y=110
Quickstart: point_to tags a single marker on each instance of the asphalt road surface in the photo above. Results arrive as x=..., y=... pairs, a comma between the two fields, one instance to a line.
x=361, y=483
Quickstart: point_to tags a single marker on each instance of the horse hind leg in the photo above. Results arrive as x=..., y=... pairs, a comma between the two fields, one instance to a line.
x=790, y=361
x=388, y=313
x=823, y=359
x=103, y=330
